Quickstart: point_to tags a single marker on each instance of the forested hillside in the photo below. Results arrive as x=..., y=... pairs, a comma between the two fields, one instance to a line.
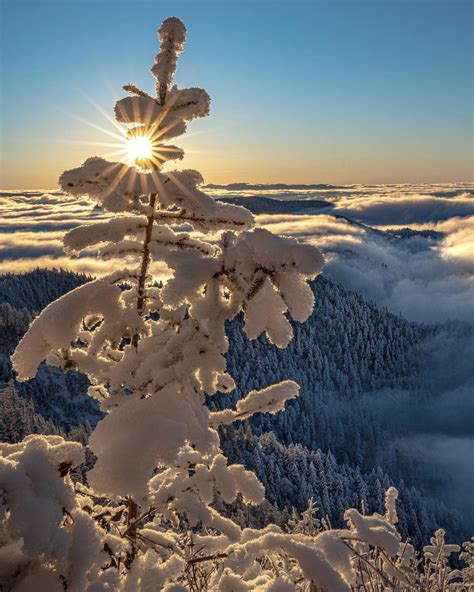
x=56, y=396
x=327, y=445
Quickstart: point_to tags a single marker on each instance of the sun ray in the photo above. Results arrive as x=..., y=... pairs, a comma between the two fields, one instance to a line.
x=104, y=113
x=161, y=131
x=181, y=186
x=194, y=134
x=116, y=153
x=100, y=128
x=140, y=145
x=116, y=180
x=131, y=179
x=91, y=143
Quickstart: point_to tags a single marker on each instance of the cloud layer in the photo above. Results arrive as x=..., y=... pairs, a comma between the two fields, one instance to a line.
x=32, y=224
x=404, y=209
x=423, y=278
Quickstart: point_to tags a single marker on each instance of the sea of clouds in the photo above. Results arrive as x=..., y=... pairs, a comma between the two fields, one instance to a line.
x=425, y=277
x=426, y=274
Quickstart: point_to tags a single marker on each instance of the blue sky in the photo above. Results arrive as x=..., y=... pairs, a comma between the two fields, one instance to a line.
x=322, y=91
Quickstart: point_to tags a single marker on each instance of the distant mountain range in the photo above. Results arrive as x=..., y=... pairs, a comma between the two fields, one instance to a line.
x=266, y=205
x=275, y=186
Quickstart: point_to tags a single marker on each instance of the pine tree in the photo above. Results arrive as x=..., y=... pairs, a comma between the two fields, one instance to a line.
x=153, y=352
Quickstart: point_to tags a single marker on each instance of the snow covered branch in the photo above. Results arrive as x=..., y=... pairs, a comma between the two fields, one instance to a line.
x=269, y=400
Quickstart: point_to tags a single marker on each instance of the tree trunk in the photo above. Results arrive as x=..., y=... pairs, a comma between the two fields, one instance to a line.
x=145, y=264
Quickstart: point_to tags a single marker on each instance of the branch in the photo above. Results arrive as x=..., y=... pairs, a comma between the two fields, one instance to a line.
x=133, y=525
x=145, y=264
x=183, y=217
x=134, y=90
x=367, y=562
x=195, y=560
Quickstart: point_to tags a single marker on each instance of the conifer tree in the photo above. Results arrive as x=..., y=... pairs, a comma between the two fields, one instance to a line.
x=152, y=352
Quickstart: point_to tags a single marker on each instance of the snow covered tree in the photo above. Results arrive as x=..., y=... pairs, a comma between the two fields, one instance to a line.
x=152, y=352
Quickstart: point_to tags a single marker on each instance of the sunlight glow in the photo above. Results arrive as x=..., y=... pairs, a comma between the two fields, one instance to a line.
x=143, y=150
x=139, y=148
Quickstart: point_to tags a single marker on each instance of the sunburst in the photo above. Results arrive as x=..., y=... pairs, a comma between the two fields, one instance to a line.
x=141, y=146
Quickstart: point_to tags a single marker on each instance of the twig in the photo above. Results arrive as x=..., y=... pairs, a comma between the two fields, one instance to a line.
x=207, y=558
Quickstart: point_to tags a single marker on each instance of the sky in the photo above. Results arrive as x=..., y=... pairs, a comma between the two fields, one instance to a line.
x=334, y=91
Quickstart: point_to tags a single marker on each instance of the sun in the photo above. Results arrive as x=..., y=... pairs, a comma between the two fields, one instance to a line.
x=139, y=148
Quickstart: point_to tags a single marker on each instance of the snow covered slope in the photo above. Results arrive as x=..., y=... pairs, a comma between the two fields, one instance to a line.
x=347, y=352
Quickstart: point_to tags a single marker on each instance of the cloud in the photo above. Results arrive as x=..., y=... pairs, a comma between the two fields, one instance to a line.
x=32, y=226
x=423, y=279
x=373, y=205
x=404, y=209
x=87, y=265
x=84, y=265
x=448, y=465
x=436, y=420
x=427, y=278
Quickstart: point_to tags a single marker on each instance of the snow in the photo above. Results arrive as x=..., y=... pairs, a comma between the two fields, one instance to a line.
x=141, y=110
x=83, y=237
x=113, y=185
x=164, y=121
x=117, y=187
x=187, y=103
x=134, y=438
x=315, y=566
x=59, y=323
x=374, y=530
x=283, y=253
x=172, y=35
x=265, y=313
x=296, y=294
x=37, y=495
x=438, y=550
x=181, y=190
x=164, y=240
x=152, y=353
x=269, y=400
x=391, y=496
x=151, y=119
